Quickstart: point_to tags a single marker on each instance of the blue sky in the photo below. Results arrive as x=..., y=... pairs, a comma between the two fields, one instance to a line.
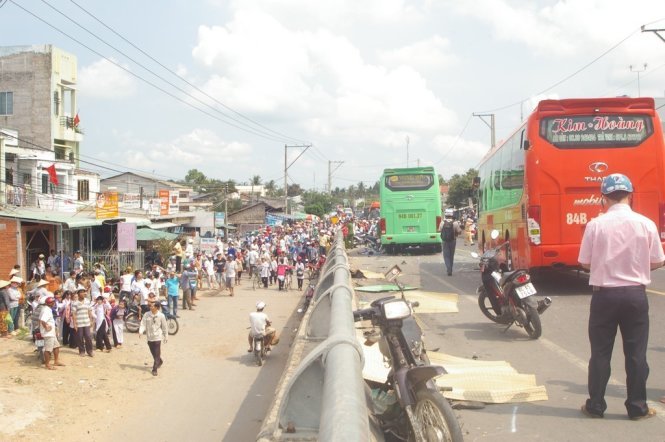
x=354, y=78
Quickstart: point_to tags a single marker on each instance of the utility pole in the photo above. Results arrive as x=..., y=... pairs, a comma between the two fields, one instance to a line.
x=330, y=172
x=407, y=151
x=286, y=170
x=655, y=31
x=226, y=209
x=638, y=71
x=491, y=125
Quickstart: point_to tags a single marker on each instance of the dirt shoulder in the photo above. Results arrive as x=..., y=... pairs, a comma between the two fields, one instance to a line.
x=208, y=389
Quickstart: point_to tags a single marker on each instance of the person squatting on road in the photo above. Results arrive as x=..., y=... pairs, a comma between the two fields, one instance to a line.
x=153, y=324
x=450, y=230
x=259, y=324
x=619, y=248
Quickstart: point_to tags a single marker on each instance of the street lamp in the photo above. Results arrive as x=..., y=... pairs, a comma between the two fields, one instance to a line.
x=638, y=71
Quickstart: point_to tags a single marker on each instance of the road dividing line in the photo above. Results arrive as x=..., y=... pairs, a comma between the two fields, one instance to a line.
x=655, y=292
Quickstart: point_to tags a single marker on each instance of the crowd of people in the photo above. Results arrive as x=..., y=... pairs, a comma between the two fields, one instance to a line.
x=86, y=310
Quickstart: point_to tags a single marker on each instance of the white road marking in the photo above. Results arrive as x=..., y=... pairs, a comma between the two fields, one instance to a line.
x=562, y=352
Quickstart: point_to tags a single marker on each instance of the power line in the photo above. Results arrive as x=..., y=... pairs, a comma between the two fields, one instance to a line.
x=180, y=77
x=118, y=65
x=568, y=77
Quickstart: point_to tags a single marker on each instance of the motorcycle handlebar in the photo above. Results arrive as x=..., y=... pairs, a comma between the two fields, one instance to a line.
x=363, y=314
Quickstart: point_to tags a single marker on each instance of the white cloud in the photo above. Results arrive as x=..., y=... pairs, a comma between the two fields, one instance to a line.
x=200, y=148
x=457, y=155
x=563, y=27
x=335, y=14
x=102, y=79
x=433, y=53
x=319, y=79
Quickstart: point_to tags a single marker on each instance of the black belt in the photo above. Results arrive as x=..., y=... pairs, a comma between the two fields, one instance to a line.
x=597, y=288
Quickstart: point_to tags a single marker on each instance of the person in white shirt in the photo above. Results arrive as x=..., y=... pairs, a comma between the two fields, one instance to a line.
x=259, y=325
x=126, y=283
x=95, y=287
x=78, y=262
x=230, y=273
x=47, y=329
x=156, y=329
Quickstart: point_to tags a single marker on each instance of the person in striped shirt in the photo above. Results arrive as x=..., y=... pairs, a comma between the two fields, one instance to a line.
x=83, y=316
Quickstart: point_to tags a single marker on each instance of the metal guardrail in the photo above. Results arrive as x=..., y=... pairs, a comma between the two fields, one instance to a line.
x=321, y=395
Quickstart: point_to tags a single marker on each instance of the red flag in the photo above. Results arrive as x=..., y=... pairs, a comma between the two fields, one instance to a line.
x=51, y=174
x=77, y=120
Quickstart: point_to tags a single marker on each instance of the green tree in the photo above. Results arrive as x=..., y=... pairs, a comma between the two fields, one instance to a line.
x=196, y=179
x=271, y=188
x=294, y=189
x=459, y=189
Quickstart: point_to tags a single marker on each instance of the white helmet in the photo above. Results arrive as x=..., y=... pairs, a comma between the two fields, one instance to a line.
x=260, y=305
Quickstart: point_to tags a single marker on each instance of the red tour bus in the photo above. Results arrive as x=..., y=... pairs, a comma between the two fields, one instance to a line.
x=541, y=186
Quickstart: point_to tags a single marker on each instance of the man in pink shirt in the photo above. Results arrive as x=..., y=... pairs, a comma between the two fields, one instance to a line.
x=619, y=248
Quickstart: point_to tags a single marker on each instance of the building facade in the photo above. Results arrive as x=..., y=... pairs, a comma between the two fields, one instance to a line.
x=41, y=131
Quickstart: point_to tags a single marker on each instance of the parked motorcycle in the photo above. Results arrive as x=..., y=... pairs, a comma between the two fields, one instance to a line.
x=508, y=297
x=133, y=323
x=309, y=294
x=418, y=411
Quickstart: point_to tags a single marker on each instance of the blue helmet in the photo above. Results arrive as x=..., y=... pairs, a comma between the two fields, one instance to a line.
x=616, y=182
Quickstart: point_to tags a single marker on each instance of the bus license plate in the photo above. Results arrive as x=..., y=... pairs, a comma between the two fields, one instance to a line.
x=526, y=290
x=411, y=229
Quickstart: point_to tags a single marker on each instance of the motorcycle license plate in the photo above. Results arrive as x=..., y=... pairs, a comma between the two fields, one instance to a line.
x=526, y=290
x=39, y=342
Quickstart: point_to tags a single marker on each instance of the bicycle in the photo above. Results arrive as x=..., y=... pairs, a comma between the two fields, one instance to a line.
x=256, y=280
x=287, y=281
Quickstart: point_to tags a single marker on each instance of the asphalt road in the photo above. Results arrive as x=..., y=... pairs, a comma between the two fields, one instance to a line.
x=558, y=359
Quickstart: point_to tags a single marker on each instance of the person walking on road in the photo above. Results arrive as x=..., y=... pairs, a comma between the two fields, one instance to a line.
x=450, y=230
x=153, y=324
x=619, y=248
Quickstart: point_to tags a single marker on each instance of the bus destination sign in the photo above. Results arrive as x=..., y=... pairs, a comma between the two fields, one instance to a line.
x=596, y=130
x=409, y=181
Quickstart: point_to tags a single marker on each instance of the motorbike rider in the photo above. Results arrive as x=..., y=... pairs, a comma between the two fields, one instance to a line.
x=260, y=325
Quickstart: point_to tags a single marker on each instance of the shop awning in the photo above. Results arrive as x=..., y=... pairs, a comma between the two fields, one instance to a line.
x=164, y=225
x=147, y=234
x=73, y=220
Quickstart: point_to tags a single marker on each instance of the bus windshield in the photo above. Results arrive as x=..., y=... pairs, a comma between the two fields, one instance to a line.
x=595, y=131
x=409, y=182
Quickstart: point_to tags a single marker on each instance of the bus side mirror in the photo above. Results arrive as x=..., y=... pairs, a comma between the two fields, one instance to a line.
x=526, y=145
x=475, y=184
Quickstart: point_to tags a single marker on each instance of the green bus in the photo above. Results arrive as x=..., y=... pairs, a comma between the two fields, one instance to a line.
x=410, y=209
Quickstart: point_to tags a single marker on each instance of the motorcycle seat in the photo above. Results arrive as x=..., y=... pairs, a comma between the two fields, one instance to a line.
x=506, y=276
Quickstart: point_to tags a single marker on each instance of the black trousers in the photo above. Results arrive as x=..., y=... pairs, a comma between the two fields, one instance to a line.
x=156, y=351
x=102, y=337
x=449, y=254
x=84, y=339
x=67, y=333
x=628, y=309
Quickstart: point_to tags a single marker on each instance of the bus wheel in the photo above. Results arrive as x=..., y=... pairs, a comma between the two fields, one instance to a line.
x=438, y=248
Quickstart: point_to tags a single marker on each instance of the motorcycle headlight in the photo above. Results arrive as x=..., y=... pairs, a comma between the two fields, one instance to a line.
x=397, y=309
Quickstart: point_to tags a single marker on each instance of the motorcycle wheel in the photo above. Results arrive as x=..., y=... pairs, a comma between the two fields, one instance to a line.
x=173, y=326
x=258, y=354
x=532, y=324
x=132, y=323
x=486, y=306
x=436, y=417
